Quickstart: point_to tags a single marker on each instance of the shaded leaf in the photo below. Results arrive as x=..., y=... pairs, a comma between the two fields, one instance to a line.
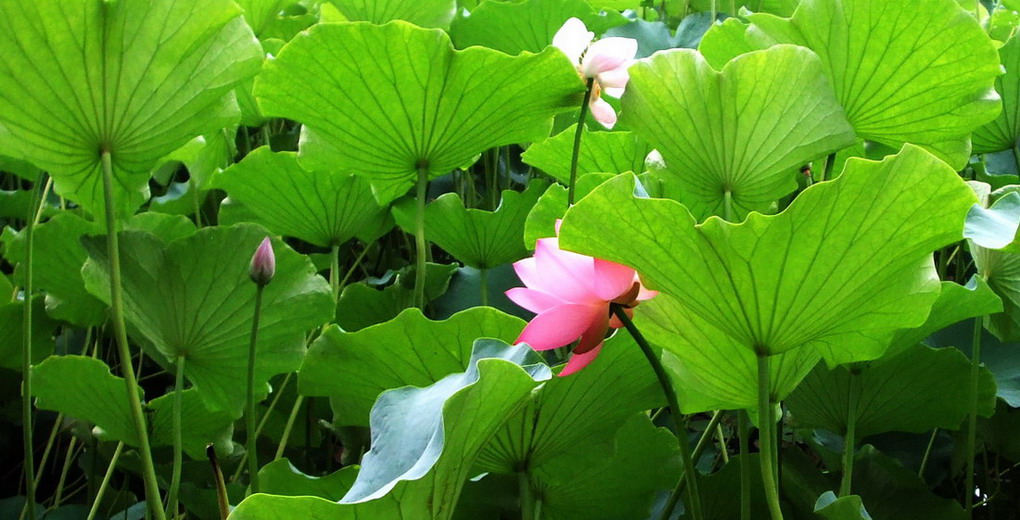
x=426, y=13
x=529, y=25
x=12, y=319
x=361, y=305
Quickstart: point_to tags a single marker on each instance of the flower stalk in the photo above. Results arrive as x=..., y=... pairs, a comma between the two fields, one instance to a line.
x=690, y=471
x=26, y=353
x=262, y=270
x=578, y=133
x=767, y=438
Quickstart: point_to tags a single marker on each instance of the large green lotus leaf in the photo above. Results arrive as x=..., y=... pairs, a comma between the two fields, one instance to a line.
x=135, y=78
x=995, y=227
x=193, y=297
x=719, y=489
x=368, y=110
x=437, y=431
x=527, y=26
x=621, y=483
x=847, y=507
x=915, y=390
x=324, y=208
x=262, y=506
x=738, y=133
x=917, y=72
x=478, y=238
x=83, y=387
x=712, y=370
x=955, y=303
x=426, y=13
x=353, y=368
x=590, y=405
x=1003, y=133
x=600, y=152
x=552, y=205
x=892, y=492
x=59, y=257
x=757, y=283
x=998, y=357
x=12, y=319
x=362, y=305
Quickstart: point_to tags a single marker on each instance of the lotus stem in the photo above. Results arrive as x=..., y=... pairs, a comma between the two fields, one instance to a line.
x=571, y=189
x=421, y=246
x=975, y=365
x=26, y=353
x=175, y=480
x=249, y=413
x=767, y=438
x=849, y=440
x=690, y=472
x=152, y=496
x=106, y=481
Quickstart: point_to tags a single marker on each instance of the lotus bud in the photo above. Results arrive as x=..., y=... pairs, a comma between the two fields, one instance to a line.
x=263, y=263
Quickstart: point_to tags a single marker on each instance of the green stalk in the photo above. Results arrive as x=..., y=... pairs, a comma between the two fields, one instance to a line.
x=483, y=286
x=221, y=488
x=152, y=496
x=690, y=472
x=527, y=496
x=249, y=413
x=577, y=142
x=722, y=444
x=713, y=423
x=419, y=239
x=68, y=458
x=26, y=354
x=767, y=438
x=106, y=481
x=975, y=364
x=290, y=425
x=849, y=440
x=175, y=480
x=262, y=422
x=745, y=466
x=334, y=271
x=927, y=453
x=728, y=206
x=830, y=162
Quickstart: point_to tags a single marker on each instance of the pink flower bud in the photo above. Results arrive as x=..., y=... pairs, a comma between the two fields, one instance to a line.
x=263, y=263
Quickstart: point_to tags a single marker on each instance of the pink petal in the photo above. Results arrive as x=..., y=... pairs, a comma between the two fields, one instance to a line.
x=595, y=333
x=646, y=294
x=612, y=279
x=558, y=326
x=534, y=300
x=527, y=271
x=579, y=361
x=603, y=113
x=614, y=81
x=573, y=38
x=565, y=274
x=608, y=54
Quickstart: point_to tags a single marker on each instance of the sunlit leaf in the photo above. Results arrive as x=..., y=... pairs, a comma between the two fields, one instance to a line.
x=600, y=152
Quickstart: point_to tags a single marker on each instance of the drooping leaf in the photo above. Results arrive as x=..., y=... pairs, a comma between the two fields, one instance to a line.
x=600, y=152
x=439, y=429
x=84, y=388
x=736, y=134
x=385, y=115
x=955, y=303
x=324, y=208
x=749, y=287
x=137, y=79
x=1004, y=132
x=889, y=391
x=847, y=507
x=12, y=319
x=995, y=227
x=192, y=297
x=918, y=72
x=998, y=357
x=891, y=492
x=426, y=13
x=725, y=41
x=354, y=368
x=526, y=26
x=478, y=238
x=260, y=14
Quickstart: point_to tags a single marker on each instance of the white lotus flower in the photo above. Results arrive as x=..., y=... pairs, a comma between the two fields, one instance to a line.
x=606, y=61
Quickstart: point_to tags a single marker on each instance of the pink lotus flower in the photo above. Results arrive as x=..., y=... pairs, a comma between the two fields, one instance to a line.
x=263, y=263
x=571, y=294
x=606, y=61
